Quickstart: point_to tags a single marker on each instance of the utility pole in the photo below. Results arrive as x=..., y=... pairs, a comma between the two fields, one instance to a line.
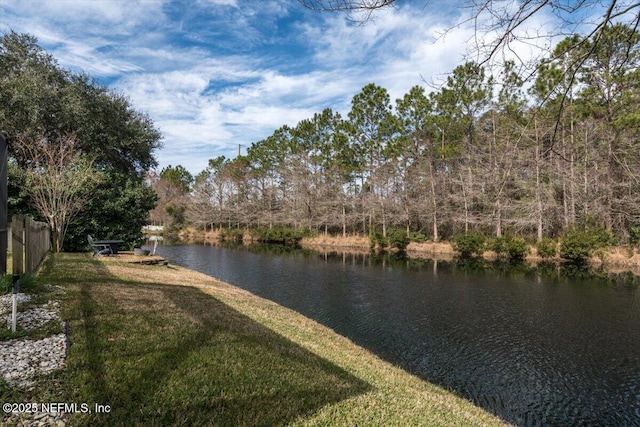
x=239, y=147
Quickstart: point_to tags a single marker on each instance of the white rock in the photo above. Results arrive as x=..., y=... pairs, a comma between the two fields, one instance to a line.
x=23, y=359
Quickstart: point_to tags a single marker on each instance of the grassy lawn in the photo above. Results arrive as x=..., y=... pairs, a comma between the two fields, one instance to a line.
x=168, y=346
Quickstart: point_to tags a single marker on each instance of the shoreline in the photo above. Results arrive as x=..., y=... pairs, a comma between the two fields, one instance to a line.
x=615, y=260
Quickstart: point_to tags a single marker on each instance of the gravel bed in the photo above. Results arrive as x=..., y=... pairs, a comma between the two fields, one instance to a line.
x=22, y=360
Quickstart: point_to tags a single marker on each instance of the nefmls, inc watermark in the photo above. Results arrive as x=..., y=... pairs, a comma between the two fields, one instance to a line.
x=56, y=407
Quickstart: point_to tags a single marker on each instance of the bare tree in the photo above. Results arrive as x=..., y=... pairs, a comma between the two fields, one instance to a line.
x=367, y=6
x=505, y=17
x=505, y=23
x=59, y=179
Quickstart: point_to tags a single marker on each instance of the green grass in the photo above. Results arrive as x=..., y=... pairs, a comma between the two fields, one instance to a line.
x=209, y=354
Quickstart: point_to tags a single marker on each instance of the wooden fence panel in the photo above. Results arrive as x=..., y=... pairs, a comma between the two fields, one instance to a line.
x=17, y=243
x=31, y=242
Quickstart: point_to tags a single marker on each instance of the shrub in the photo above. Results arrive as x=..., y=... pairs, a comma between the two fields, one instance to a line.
x=416, y=237
x=517, y=247
x=509, y=245
x=279, y=234
x=398, y=239
x=231, y=234
x=377, y=240
x=634, y=235
x=547, y=247
x=468, y=245
x=629, y=251
x=580, y=242
x=498, y=245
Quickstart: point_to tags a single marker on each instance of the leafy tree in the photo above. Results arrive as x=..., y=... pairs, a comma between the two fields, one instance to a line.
x=422, y=154
x=38, y=98
x=372, y=127
x=172, y=187
x=122, y=138
x=177, y=177
x=501, y=128
x=17, y=189
x=464, y=97
x=611, y=74
x=117, y=209
x=30, y=86
x=337, y=163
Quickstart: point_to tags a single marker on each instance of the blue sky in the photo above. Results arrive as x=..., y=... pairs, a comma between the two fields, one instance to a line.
x=213, y=74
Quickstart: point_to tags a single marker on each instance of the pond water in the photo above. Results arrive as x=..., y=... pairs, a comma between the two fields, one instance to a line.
x=533, y=346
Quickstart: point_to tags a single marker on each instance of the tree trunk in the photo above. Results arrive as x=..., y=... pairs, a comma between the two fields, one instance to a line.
x=539, y=209
x=344, y=221
x=434, y=201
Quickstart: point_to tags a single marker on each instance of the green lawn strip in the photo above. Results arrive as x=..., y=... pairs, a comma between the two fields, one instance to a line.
x=167, y=355
x=217, y=355
x=395, y=398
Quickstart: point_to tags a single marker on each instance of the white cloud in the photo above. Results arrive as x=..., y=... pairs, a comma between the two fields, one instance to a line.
x=233, y=3
x=213, y=74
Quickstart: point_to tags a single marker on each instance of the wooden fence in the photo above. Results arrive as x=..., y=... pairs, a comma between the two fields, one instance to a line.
x=30, y=242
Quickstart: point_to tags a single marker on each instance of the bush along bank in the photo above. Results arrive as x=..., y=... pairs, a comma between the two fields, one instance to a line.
x=580, y=244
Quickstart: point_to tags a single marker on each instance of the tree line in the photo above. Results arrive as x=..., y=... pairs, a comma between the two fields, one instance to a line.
x=484, y=152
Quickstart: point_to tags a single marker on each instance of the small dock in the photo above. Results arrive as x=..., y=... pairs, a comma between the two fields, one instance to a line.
x=148, y=260
x=129, y=257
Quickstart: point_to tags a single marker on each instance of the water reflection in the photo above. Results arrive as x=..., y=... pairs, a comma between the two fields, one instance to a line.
x=536, y=345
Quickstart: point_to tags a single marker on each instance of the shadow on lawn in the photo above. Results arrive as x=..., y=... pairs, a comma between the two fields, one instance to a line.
x=168, y=355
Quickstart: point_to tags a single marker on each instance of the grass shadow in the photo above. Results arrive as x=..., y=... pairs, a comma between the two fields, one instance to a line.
x=168, y=355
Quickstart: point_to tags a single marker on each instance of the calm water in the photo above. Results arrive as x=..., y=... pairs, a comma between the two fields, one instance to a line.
x=534, y=348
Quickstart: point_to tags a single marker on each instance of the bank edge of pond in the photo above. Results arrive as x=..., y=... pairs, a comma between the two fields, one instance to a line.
x=254, y=356
x=614, y=260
